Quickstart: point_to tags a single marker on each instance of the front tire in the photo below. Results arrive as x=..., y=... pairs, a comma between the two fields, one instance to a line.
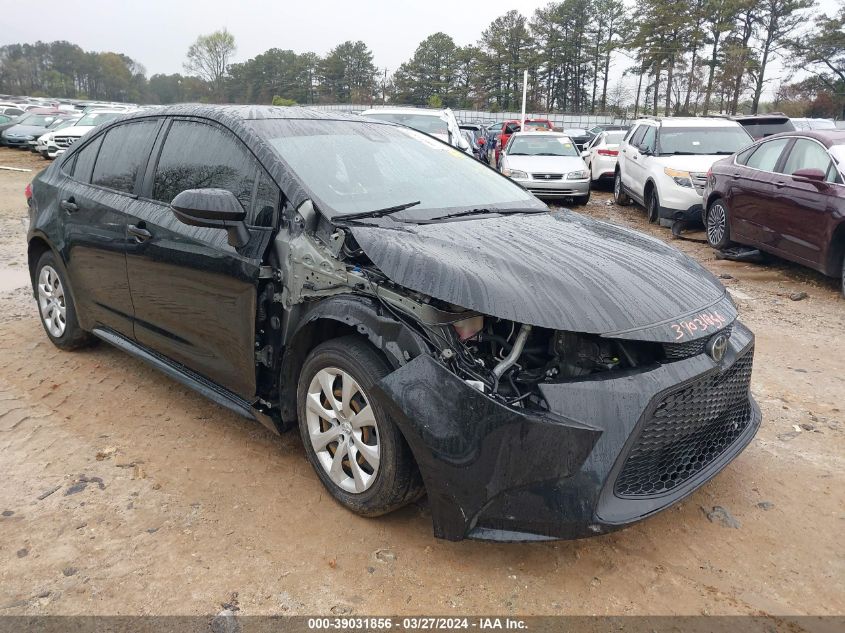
x=619, y=196
x=717, y=225
x=581, y=200
x=56, y=306
x=355, y=448
x=653, y=207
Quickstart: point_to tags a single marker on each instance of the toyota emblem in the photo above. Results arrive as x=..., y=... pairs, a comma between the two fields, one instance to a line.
x=717, y=346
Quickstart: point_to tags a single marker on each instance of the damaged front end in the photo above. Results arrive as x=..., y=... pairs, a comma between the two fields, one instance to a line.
x=527, y=428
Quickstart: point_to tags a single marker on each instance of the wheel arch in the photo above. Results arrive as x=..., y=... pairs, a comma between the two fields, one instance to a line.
x=336, y=317
x=37, y=246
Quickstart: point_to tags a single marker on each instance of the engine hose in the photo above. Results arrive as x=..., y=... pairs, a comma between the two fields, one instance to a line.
x=514, y=354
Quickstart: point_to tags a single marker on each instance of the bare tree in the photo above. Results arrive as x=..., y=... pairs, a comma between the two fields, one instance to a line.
x=209, y=57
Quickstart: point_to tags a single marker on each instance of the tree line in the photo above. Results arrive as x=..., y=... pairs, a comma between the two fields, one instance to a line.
x=697, y=57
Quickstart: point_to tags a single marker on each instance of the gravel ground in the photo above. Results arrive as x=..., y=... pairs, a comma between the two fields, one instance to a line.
x=124, y=493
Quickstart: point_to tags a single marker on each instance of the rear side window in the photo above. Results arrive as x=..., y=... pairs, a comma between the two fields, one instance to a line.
x=197, y=156
x=766, y=156
x=123, y=155
x=85, y=160
x=806, y=154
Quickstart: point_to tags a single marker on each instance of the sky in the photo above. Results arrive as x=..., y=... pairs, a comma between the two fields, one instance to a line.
x=157, y=33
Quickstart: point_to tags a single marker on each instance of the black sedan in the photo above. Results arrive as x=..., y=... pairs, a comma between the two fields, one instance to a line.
x=579, y=136
x=427, y=324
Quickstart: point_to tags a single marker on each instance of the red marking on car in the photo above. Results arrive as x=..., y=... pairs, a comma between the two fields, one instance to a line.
x=608, y=152
x=28, y=191
x=702, y=323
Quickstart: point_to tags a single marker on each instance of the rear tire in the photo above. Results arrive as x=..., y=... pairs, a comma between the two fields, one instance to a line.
x=653, y=207
x=619, y=196
x=56, y=307
x=381, y=475
x=717, y=225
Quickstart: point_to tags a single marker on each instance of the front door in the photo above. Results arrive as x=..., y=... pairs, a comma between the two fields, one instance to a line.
x=194, y=294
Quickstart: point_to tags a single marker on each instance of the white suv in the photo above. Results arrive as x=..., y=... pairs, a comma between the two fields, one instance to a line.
x=663, y=164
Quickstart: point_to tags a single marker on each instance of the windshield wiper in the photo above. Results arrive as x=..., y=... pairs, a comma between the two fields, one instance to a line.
x=518, y=154
x=722, y=153
x=480, y=211
x=378, y=213
x=679, y=153
x=549, y=154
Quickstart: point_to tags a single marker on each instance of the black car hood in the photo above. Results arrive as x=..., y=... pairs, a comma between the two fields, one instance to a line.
x=560, y=270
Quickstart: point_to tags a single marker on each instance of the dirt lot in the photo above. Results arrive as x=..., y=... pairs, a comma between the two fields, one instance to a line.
x=124, y=493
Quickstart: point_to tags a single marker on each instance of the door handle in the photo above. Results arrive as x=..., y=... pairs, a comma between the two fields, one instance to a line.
x=780, y=183
x=69, y=205
x=140, y=234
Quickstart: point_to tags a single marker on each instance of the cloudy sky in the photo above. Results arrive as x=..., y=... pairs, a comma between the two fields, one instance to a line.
x=157, y=33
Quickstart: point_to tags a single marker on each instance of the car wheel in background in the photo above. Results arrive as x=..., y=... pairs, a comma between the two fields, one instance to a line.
x=716, y=224
x=56, y=307
x=353, y=445
x=619, y=196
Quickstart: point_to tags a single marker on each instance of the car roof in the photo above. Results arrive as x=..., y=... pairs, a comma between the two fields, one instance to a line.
x=423, y=111
x=687, y=121
x=827, y=138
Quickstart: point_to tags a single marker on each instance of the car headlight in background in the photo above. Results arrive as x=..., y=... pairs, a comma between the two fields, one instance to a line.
x=515, y=173
x=577, y=175
x=681, y=178
x=30, y=138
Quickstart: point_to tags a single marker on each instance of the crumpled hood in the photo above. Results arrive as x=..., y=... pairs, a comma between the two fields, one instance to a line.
x=560, y=271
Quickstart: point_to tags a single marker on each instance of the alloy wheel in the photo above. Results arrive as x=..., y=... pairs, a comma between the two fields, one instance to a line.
x=343, y=430
x=51, y=301
x=716, y=223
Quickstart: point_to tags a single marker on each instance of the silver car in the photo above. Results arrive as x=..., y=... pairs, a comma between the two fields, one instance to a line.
x=548, y=164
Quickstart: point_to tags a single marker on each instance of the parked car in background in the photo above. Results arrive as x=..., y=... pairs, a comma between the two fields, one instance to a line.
x=813, y=124
x=761, y=125
x=28, y=127
x=45, y=144
x=602, y=153
x=663, y=164
x=606, y=127
x=62, y=120
x=7, y=121
x=438, y=123
x=427, y=325
x=478, y=140
x=784, y=195
x=513, y=126
x=548, y=164
x=68, y=136
x=579, y=136
x=11, y=109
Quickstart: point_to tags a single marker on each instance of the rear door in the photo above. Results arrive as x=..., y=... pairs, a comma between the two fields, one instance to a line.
x=752, y=192
x=801, y=206
x=194, y=294
x=95, y=204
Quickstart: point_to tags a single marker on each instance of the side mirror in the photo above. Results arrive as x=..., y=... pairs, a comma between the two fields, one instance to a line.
x=585, y=154
x=811, y=174
x=213, y=209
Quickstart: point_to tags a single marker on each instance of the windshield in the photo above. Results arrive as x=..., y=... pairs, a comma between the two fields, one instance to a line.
x=98, y=118
x=428, y=123
x=354, y=167
x=37, y=120
x=702, y=140
x=540, y=145
x=538, y=124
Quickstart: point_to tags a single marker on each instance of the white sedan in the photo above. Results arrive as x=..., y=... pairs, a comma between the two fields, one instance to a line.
x=601, y=154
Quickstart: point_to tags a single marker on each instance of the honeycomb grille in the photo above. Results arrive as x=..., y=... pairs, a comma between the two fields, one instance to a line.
x=679, y=351
x=687, y=431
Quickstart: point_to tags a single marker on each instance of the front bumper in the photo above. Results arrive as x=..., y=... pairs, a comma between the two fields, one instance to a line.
x=591, y=464
x=556, y=188
x=16, y=142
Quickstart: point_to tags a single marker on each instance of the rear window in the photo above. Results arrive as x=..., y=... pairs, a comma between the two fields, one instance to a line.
x=761, y=129
x=124, y=153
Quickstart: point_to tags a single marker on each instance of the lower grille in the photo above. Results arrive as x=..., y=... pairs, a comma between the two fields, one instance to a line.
x=547, y=176
x=687, y=431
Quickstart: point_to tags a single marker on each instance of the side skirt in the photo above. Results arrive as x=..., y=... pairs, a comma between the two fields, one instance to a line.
x=185, y=376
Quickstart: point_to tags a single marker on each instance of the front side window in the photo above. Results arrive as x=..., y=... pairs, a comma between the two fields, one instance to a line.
x=637, y=136
x=649, y=138
x=807, y=154
x=706, y=141
x=352, y=167
x=200, y=156
x=766, y=155
x=123, y=155
x=541, y=145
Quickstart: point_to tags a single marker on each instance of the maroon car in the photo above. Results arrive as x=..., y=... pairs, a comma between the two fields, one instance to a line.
x=785, y=195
